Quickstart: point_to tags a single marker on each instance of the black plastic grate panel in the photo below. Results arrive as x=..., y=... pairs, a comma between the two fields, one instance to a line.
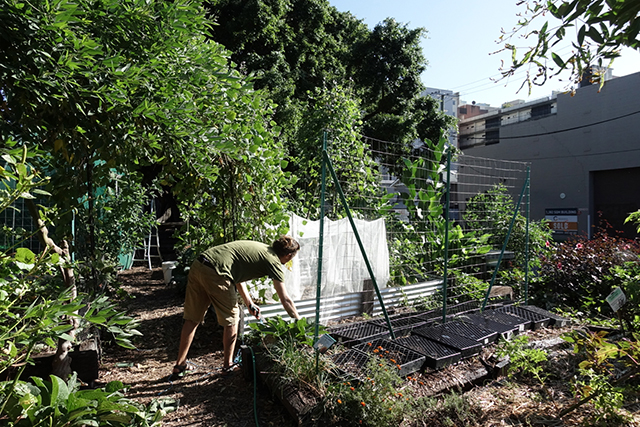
x=538, y=320
x=468, y=330
x=504, y=331
x=466, y=346
x=352, y=361
x=357, y=333
x=508, y=319
x=406, y=360
x=402, y=324
x=437, y=355
x=430, y=316
x=555, y=320
x=464, y=307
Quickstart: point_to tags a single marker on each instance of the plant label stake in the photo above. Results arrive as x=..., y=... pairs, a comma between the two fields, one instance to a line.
x=616, y=300
x=324, y=343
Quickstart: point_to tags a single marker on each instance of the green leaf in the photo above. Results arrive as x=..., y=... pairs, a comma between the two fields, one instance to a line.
x=59, y=391
x=581, y=33
x=557, y=60
x=595, y=35
x=25, y=255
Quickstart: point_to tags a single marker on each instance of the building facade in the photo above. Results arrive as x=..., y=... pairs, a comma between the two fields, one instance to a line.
x=584, y=151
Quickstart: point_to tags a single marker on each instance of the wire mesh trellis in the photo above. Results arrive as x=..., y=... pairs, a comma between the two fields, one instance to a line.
x=487, y=208
x=18, y=228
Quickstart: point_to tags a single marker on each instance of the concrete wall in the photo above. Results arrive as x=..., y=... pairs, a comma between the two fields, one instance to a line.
x=590, y=132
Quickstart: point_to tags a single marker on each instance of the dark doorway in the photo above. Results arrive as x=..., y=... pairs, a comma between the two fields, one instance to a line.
x=616, y=193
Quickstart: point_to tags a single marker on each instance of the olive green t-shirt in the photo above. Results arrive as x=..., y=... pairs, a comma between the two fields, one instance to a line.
x=244, y=260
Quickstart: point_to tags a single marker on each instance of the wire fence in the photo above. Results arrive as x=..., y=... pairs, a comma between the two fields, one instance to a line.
x=400, y=221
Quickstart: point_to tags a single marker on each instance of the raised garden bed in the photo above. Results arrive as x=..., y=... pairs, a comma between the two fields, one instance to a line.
x=437, y=355
x=406, y=360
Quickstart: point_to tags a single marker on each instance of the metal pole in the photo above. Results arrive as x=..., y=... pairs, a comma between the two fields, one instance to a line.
x=446, y=239
x=355, y=232
x=526, y=271
x=320, y=241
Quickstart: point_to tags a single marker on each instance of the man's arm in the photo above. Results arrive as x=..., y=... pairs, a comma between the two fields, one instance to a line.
x=244, y=294
x=285, y=299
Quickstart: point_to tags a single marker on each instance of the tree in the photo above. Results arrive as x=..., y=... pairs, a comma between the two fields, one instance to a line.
x=597, y=30
x=335, y=116
x=109, y=86
x=135, y=86
x=298, y=46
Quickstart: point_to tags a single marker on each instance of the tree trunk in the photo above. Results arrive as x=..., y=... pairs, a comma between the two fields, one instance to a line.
x=61, y=365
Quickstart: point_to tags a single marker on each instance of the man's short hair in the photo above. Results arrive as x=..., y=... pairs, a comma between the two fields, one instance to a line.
x=285, y=245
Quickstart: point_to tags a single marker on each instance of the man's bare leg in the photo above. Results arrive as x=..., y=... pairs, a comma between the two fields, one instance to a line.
x=229, y=336
x=186, y=338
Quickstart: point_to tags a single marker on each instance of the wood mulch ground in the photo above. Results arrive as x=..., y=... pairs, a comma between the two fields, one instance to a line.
x=208, y=398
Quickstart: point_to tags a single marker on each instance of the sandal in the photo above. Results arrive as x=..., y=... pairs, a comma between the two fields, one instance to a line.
x=181, y=370
x=230, y=369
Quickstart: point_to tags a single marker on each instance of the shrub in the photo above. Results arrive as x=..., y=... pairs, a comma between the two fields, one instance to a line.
x=579, y=273
x=374, y=401
x=450, y=410
x=60, y=403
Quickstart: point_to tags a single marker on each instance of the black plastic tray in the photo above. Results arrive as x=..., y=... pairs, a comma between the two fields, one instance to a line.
x=537, y=319
x=351, y=361
x=437, y=355
x=469, y=330
x=406, y=360
x=463, y=307
x=356, y=333
x=402, y=324
x=467, y=347
x=430, y=316
x=555, y=320
x=505, y=331
x=508, y=319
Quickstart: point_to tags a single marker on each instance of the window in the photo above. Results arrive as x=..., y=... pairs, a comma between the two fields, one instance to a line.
x=492, y=123
x=493, y=137
x=540, y=111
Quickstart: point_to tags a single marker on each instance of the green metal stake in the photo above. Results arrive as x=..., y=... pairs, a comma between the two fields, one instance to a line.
x=343, y=199
x=446, y=239
x=504, y=246
x=321, y=243
x=526, y=245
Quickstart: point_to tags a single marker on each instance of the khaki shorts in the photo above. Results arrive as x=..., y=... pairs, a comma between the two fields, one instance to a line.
x=204, y=288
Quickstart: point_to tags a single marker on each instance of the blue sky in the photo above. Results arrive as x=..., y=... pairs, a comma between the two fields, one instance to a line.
x=462, y=35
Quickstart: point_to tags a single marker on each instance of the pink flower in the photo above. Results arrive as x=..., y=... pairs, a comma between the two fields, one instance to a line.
x=559, y=265
x=579, y=246
x=547, y=244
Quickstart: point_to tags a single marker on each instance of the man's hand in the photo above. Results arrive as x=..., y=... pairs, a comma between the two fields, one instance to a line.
x=255, y=311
